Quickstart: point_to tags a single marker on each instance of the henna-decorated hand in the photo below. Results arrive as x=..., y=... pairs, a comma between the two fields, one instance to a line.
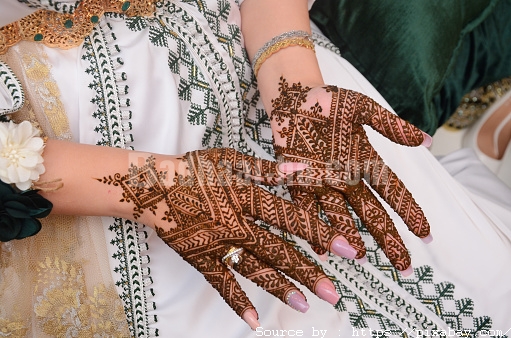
x=322, y=127
x=205, y=204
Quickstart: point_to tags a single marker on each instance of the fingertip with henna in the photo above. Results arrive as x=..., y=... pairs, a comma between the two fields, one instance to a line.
x=341, y=247
x=407, y=272
x=428, y=239
x=428, y=140
x=250, y=317
x=326, y=291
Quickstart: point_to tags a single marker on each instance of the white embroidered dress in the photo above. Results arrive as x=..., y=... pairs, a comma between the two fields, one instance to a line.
x=179, y=81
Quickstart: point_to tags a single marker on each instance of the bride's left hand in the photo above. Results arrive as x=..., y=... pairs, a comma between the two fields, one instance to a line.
x=323, y=127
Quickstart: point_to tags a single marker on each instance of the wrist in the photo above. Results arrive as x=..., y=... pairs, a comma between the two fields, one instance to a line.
x=262, y=20
x=145, y=186
x=294, y=64
x=90, y=176
x=265, y=20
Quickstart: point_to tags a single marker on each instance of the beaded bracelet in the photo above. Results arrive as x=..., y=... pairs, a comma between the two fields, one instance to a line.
x=284, y=40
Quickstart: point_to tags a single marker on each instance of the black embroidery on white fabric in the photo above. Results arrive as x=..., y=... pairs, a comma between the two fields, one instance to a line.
x=256, y=124
x=258, y=128
x=194, y=91
x=257, y=121
x=113, y=124
x=459, y=313
x=111, y=99
x=11, y=84
x=203, y=106
x=229, y=37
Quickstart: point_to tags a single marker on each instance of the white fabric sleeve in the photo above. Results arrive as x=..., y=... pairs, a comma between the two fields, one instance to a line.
x=12, y=10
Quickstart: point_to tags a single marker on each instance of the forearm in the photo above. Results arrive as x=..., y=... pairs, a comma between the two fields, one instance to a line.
x=80, y=168
x=264, y=19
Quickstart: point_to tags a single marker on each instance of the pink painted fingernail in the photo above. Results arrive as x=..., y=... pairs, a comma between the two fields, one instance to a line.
x=297, y=301
x=407, y=272
x=428, y=239
x=326, y=291
x=250, y=317
x=323, y=257
x=291, y=167
x=362, y=260
x=428, y=140
x=341, y=247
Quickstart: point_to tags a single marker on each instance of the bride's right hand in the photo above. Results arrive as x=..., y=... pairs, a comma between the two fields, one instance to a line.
x=204, y=205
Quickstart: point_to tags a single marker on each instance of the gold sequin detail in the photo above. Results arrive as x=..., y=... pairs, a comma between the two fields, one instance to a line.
x=68, y=30
x=474, y=104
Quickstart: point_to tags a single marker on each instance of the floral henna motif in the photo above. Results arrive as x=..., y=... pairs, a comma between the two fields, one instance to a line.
x=401, y=200
x=287, y=216
x=264, y=276
x=323, y=127
x=210, y=206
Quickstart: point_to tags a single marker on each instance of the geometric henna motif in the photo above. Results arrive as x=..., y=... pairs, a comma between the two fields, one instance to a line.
x=214, y=205
x=143, y=186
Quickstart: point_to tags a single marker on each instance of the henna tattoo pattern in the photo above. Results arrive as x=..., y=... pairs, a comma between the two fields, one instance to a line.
x=214, y=205
x=323, y=127
x=143, y=186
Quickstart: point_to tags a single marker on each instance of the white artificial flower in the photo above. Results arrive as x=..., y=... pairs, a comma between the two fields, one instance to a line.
x=21, y=149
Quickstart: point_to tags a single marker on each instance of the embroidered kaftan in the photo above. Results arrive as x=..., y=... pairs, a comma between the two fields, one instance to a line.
x=180, y=80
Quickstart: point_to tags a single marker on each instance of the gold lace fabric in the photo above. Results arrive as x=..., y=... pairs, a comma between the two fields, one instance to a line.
x=68, y=30
x=57, y=283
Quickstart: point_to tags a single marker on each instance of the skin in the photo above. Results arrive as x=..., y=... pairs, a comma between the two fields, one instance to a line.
x=75, y=164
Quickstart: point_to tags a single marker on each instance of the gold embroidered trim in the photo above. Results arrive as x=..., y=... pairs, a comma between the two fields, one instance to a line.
x=38, y=73
x=43, y=106
x=68, y=30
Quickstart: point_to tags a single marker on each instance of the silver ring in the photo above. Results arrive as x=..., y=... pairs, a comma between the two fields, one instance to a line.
x=233, y=256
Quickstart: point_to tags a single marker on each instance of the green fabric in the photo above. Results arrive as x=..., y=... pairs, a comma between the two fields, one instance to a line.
x=422, y=55
x=484, y=57
x=19, y=212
